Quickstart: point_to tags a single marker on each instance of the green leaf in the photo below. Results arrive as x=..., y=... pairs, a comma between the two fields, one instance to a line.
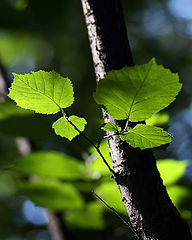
x=137, y=92
x=171, y=170
x=63, y=128
x=111, y=127
x=50, y=164
x=145, y=136
x=43, y=92
x=158, y=119
x=54, y=195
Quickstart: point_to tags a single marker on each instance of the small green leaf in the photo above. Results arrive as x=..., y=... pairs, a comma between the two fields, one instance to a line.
x=53, y=194
x=111, y=127
x=50, y=164
x=137, y=92
x=145, y=136
x=42, y=92
x=63, y=128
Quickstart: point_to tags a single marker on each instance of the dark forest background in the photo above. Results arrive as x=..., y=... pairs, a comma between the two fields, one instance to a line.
x=39, y=170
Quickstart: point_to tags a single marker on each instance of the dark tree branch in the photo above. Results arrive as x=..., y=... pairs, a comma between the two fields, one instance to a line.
x=151, y=212
x=4, y=83
x=56, y=226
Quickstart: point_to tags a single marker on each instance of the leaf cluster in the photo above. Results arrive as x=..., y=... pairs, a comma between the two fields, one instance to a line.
x=135, y=94
x=47, y=93
x=132, y=94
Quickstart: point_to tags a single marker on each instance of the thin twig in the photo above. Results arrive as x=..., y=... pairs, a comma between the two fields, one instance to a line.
x=89, y=140
x=107, y=136
x=99, y=142
x=118, y=215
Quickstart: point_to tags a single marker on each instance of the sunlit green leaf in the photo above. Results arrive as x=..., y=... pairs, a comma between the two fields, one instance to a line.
x=158, y=119
x=111, y=127
x=43, y=92
x=137, y=92
x=50, y=164
x=171, y=170
x=53, y=195
x=63, y=127
x=145, y=136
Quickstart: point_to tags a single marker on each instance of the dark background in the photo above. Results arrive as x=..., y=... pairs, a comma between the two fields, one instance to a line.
x=51, y=35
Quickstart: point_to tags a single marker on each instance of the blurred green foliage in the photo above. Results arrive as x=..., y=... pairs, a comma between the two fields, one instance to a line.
x=52, y=36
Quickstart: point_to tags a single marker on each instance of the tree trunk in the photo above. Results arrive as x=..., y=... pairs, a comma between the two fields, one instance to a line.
x=3, y=83
x=150, y=210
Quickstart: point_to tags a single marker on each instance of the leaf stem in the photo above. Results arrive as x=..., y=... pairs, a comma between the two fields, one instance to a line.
x=126, y=125
x=90, y=141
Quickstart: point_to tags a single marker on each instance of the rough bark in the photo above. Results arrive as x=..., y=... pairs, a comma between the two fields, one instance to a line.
x=150, y=210
x=3, y=84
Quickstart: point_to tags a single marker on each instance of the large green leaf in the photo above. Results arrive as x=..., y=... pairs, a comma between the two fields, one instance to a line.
x=50, y=164
x=145, y=136
x=54, y=195
x=63, y=127
x=43, y=92
x=137, y=92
